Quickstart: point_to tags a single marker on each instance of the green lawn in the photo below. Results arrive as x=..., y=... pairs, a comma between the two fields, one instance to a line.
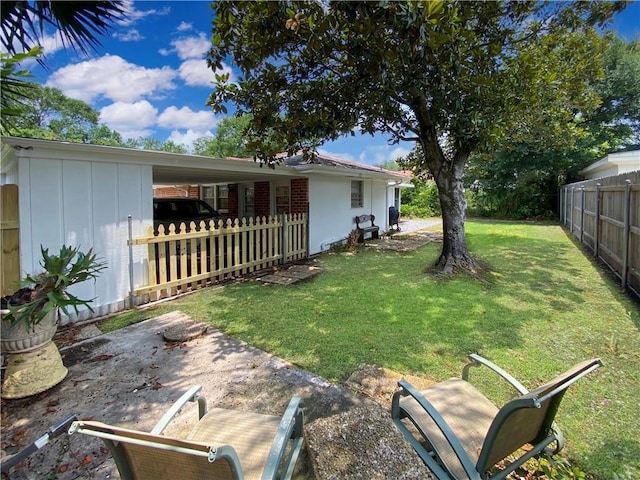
x=545, y=307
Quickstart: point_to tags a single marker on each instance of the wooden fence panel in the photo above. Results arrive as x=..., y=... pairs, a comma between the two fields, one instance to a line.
x=604, y=215
x=9, y=239
x=182, y=258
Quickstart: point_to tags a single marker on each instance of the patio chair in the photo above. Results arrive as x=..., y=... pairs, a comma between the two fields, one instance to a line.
x=224, y=444
x=460, y=434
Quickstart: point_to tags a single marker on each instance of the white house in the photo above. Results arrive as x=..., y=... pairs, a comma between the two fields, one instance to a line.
x=83, y=195
x=616, y=163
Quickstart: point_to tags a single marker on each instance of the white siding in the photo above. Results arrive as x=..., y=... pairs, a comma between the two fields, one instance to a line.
x=86, y=204
x=331, y=217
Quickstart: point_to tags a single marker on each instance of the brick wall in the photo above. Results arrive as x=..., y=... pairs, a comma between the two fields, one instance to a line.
x=192, y=191
x=233, y=201
x=300, y=195
x=262, y=199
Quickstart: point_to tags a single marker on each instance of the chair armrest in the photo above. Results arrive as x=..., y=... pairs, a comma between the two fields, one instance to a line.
x=54, y=431
x=440, y=422
x=477, y=360
x=290, y=428
x=190, y=396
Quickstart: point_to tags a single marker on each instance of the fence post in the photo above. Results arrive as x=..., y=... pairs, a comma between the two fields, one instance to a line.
x=582, y=214
x=596, y=246
x=573, y=189
x=627, y=231
x=130, y=222
x=285, y=239
x=564, y=206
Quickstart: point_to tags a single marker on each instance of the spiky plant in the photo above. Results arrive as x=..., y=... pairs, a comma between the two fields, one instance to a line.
x=44, y=292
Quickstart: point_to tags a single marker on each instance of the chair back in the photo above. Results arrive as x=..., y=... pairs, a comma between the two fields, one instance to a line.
x=145, y=456
x=528, y=419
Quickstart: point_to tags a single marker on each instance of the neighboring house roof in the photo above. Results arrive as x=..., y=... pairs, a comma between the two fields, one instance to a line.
x=615, y=163
x=177, y=168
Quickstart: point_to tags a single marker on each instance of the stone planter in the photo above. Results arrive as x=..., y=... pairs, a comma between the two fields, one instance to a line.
x=34, y=364
x=18, y=339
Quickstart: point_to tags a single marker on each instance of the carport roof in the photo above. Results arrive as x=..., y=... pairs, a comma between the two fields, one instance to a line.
x=176, y=168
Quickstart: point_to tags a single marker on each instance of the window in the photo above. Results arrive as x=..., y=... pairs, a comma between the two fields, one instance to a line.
x=207, y=194
x=222, y=198
x=357, y=193
x=249, y=201
x=282, y=199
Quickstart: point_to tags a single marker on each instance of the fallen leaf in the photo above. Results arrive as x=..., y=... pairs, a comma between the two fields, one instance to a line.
x=104, y=450
x=87, y=459
x=52, y=410
x=157, y=386
x=153, y=366
x=63, y=468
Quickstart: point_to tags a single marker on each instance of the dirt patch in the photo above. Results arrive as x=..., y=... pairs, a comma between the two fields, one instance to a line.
x=400, y=242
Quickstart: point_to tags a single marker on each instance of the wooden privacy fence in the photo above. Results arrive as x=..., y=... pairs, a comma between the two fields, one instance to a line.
x=9, y=239
x=184, y=258
x=604, y=215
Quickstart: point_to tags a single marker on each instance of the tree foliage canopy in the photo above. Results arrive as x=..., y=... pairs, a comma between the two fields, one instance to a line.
x=229, y=140
x=452, y=76
x=49, y=114
x=520, y=176
x=22, y=27
x=79, y=22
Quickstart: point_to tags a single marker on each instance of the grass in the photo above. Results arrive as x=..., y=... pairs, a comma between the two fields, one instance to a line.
x=545, y=307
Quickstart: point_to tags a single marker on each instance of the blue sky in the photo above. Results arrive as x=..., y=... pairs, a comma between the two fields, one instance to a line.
x=149, y=77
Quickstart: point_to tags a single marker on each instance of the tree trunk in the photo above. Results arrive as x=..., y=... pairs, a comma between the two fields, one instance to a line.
x=455, y=254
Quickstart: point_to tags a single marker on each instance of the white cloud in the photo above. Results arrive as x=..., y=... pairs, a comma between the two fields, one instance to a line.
x=172, y=117
x=132, y=15
x=132, y=35
x=196, y=73
x=111, y=77
x=184, y=26
x=191, y=47
x=378, y=154
x=343, y=155
x=51, y=43
x=187, y=138
x=132, y=120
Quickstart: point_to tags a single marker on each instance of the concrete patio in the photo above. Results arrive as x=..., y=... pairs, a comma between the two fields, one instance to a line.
x=131, y=377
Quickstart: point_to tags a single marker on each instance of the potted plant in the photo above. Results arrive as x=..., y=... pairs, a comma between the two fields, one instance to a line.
x=30, y=317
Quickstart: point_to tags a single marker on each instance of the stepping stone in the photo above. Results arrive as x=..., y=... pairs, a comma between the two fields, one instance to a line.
x=184, y=330
x=291, y=275
x=299, y=271
x=278, y=279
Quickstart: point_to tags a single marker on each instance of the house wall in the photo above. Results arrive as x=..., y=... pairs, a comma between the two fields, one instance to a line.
x=262, y=199
x=85, y=204
x=331, y=217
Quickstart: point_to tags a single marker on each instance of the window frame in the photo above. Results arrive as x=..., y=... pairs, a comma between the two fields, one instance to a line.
x=357, y=197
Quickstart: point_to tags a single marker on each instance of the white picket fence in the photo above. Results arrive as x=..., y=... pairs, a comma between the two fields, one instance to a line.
x=185, y=257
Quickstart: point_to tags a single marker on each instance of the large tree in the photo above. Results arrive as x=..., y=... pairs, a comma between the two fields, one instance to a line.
x=229, y=140
x=48, y=113
x=449, y=76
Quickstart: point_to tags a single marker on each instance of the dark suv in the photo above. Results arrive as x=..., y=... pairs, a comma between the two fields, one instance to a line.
x=181, y=210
